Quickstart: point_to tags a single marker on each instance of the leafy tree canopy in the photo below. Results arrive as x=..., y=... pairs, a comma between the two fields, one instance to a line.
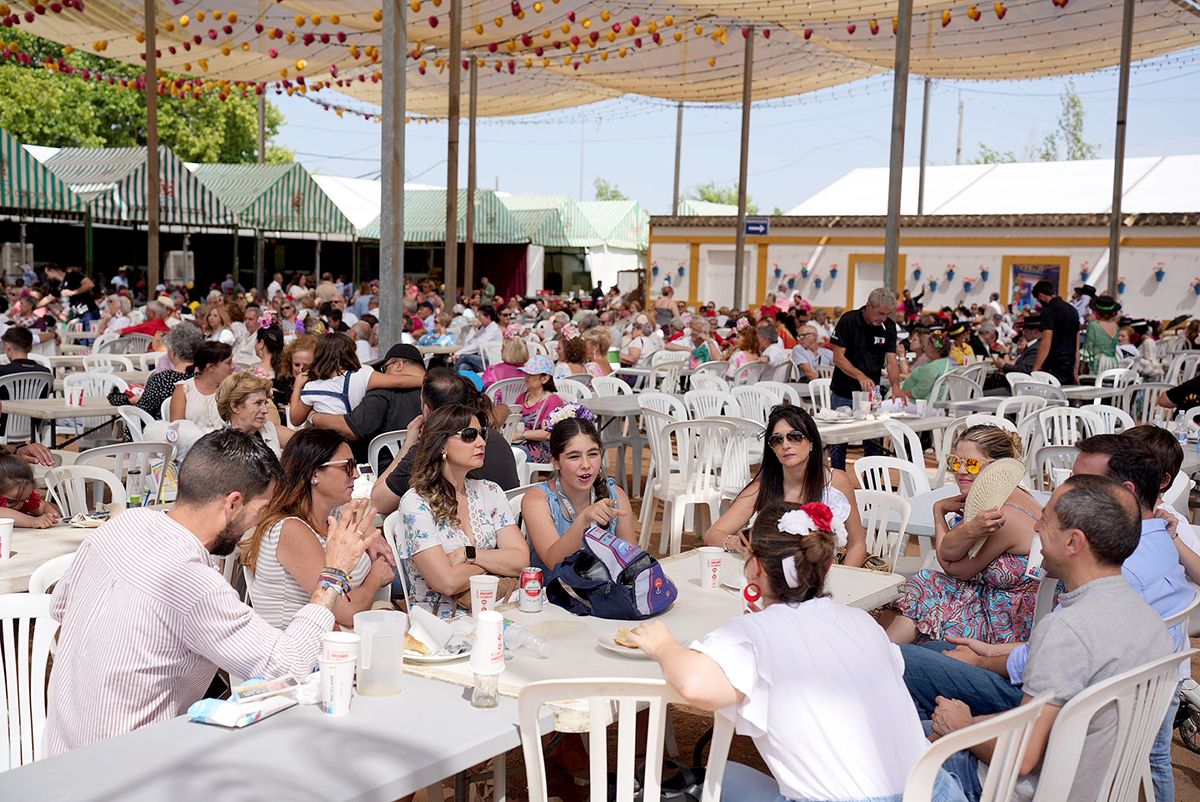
x=607, y=191
x=709, y=191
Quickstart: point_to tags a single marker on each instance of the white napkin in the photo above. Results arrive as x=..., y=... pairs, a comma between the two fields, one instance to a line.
x=429, y=629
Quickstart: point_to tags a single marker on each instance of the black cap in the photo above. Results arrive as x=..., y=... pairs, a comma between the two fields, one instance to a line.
x=957, y=329
x=404, y=351
x=1086, y=289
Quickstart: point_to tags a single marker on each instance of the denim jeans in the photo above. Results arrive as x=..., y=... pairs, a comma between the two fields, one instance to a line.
x=470, y=362
x=1161, y=773
x=929, y=674
x=837, y=454
x=744, y=784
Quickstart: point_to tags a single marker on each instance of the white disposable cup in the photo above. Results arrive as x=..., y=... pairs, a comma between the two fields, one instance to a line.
x=340, y=646
x=487, y=653
x=922, y=406
x=710, y=566
x=337, y=686
x=483, y=593
x=6, y=533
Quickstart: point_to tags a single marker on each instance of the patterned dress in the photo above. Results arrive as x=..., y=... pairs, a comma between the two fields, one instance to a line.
x=996, y=606
x=533, y=417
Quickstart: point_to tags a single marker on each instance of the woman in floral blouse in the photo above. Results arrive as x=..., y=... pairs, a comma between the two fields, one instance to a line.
x=468, y=520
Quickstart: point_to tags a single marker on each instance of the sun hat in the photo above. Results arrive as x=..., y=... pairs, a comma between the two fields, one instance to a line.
x=538, y=365
x=1105, y=304
x=957, y=329
x=991, y=489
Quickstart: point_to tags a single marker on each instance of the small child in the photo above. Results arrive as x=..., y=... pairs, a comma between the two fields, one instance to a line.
x=18, y=498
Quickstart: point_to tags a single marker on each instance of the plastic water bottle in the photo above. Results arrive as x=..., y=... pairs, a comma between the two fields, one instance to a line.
x=1181, y=433
x=516, y=637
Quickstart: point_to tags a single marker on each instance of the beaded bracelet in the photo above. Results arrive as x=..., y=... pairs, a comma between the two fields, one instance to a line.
x=335, y=580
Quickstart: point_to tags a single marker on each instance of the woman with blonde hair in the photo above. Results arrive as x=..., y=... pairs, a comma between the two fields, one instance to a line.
x=217, y=324
x=598, y=341
x=297, y=357
x=514, y=353
x=244, y=402
x=985, y=596
x=441, y=334
x=746, y=349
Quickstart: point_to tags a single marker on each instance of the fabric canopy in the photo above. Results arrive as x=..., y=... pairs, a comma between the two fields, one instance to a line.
x=112, y=182
x=554, y=221
x=537, y=56
x=274, y=197
x=425, y=219
x=27, y=186
x=621, y=223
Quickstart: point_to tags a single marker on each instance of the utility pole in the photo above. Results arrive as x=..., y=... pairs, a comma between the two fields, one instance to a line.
x=958, y=147
x=891, y=248
x=678, y=155
x=924, y=149
x=153, y=182
x=739, y=257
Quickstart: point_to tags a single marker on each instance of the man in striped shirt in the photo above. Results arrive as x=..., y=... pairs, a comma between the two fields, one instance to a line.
x=147, y=620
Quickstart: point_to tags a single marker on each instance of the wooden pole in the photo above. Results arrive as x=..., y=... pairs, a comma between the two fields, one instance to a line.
x=472, y=115
x=1114, y=226
x=153, y=181
x=924, y=149
x=391, y=218
x=678, y=155
x=891, y=248
x=453, y=115
x=739, y=257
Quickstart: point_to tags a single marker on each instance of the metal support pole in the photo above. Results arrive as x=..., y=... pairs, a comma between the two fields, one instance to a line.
x=472, y=115
x=678, y=155
x=88, y=247
x=739, y=256
x=317, y=260
x=260, y=245
x=25, y=260
x=262, y=126
x=453, y=114
x=958, y=146
x=891, y=248
x=391, y=219
x=1114, y=226
x=153, y=181
x=924, y=149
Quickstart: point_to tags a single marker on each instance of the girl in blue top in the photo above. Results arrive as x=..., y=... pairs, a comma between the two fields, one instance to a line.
x=578, y=495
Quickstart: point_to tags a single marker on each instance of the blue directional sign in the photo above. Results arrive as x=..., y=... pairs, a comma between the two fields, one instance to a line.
x=757, y=226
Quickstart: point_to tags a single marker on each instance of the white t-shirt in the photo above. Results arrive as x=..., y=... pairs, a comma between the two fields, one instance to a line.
x=1186, y=532
x=825, y=700
x=364, y=351
x=339, y=395
x=273, y=289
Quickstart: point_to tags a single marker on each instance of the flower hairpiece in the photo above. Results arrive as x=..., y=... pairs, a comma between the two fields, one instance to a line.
x=260, y=373
x=742, y=323
x=812, y=517
x=566, y=411
x=514, y=331
x=569, y=332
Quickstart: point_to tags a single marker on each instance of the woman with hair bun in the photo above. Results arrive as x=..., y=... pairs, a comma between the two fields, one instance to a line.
x=814, y=683
x=578, y=495
x=986, y=596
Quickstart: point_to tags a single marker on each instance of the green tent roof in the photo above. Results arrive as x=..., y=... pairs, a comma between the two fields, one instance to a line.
x=112, y=182
x=425, y=219
x=699, y=208
x=554, y=221
x=622, y=223
x=274, y=197
x=26, y=185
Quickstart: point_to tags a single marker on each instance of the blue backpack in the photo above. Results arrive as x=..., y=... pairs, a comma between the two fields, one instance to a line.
x=611, y=578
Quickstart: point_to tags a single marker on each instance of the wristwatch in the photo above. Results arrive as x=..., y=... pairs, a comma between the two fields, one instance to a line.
x=470, y=553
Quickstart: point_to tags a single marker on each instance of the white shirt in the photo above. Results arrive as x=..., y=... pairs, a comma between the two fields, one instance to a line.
x=775, y=353
x=478, y=336
x=339, y=395
x=1185, y=530
x=825, y=700
x=364, y=351
x=146, y=621
x=823, y=333
x=349, y=318
x=273, y=289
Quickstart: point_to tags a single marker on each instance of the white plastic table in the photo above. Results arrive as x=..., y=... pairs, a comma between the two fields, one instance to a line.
x=858, y=431
x=31, y=548
x=573, y=640
x=387, y=747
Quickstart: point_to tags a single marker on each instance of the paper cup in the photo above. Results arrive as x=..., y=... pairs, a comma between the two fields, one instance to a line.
x=483, y=593
x=710, y=566
x=487, y=654
x=922, y=406
x=6, y=533
x=340, y=646
x=337, y=686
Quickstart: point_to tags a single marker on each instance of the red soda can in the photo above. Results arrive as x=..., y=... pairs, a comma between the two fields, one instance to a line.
x=531, y=590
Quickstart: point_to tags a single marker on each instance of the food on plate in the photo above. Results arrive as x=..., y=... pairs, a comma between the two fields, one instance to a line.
x=411, y=644
x=623, y=639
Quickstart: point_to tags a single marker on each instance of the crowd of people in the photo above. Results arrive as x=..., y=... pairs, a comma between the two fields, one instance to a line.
x=275, y=396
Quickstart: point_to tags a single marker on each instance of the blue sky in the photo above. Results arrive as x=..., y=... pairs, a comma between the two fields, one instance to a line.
x=798, y=145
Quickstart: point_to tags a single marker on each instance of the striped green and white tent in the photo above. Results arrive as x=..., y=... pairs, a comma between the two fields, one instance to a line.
x=112, y=182
x=27, y=186
x=274, y=197
x=425, y=219
x=623, y=224
x=554, y=221
x=690, y=207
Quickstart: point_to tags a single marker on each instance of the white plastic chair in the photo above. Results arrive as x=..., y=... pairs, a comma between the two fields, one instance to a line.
x=1016, y=377
x=944, y=445
x=392, y=441
x=666, y=377
x=875, y=473
x=1011, y=731
x=755, y=402
x=1114, y=419
x=1046, y=460
x=571, y=391
x=27, y=631
x=820, y=395
x=67, y=488
x=123, y=457
x=125, y=344
x=1177, y=494
x=740, y=452
x=1141, y=401
x=906, y=444
x=982, y=419
x=885, y=519
x=1120, y=378
x=522, y=462
x=1066, y=426
x=93, y=385
x=1021, y=406
x=621, y=699
x=24, y=387
x=46, y=575
x=136, y=419
x=671, y=409
x=106, y=363
x=786, y=393
x=709, y=381
x=666, y=404
x=953, y=387
x=1043, y=377
x=748, y=373
x=489, y=352
x=1183, y=367
x=706, y=404
x=686, y=455
x=607, y=387
x=1042, y=390
x=1140, y=699
x=146, y=361
x=505, y=391
x=164, y=410
x=712, y=368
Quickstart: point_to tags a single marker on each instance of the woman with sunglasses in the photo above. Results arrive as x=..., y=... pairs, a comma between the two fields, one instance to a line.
x=814, y=683
x=441, y=334
x=287, y=317
x=285, y=553
x=455, y=526
x=793, y=470
x=988, y=596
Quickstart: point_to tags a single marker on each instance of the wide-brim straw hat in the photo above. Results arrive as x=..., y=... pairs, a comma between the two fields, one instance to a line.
x=991, y=489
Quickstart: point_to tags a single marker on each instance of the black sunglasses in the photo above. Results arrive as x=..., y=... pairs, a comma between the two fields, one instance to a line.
x=470, y=434
x=795, y=436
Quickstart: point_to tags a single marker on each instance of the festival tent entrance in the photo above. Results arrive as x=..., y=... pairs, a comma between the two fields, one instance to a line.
x=28, y=192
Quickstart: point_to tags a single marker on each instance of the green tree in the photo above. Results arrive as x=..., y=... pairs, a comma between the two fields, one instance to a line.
x=607, y=191
x=711, y=192
x=1066, y=140
x=43, y=107
x=988, y=155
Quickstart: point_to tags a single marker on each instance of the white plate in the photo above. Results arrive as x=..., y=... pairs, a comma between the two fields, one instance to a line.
x=438, y=657
x=732, y=585
x=606, y=642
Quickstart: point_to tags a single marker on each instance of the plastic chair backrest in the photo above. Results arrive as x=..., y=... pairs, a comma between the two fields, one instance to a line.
x=1048, y=458
x=164, y=410
x=27, y=632
x=875, y=473
x=715, y=367
x=1021, y=406
x=695, y=447
x=1177, y=494
x=1016, y=377
x=393, y=441
x=779, y=373
x=1066, y=426
x=1119, y=378
x=98, y=385
x=820, y=395
x=106, y=363
x=1044, y=378
x=885, y=519
x=1141, y=401
x=1011, y=730
x=824, y=371
x=756, y=403
x=710, y=382
x=983, y=419
x=906, y=444
x=24, y=387
x=1115, y=419
x=627, y=698
x=505, y=391
x=786, y=393
x=953, y=387
x=521, y=459
x=1141, y=698
x=706, y=404
x=67, y=489
x=1047, y=587
x=944, y=447
x=748, y=373
x=662, y=403
x=125, y=456
x=391, y=525
x=135, y=419
x=572, y=392
x=607, y=386
x=1047, y=391
x=46, y=575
